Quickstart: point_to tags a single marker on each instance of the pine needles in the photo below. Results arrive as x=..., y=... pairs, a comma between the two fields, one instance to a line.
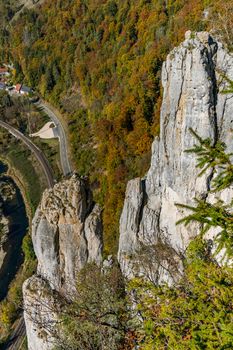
x=213, y=156
x=217, y=215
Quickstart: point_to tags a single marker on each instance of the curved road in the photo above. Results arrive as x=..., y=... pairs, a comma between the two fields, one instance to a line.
x=17, y=338
x=36, y=151
x=19, y=333
x=65, y=164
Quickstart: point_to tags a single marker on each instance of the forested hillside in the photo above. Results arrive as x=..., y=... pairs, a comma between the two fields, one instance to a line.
x=99, y=61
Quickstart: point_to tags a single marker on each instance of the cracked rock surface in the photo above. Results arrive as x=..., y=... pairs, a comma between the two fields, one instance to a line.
x=192, y=80
x=66, y=234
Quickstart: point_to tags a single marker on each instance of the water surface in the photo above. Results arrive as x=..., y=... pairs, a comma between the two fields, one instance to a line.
x=15, y=211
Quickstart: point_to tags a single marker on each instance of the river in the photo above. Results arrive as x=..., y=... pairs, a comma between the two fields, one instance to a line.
x=15, y=211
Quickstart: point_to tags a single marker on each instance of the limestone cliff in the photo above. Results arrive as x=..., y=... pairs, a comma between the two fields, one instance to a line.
x=7, y=194
x=66, y=234
x=67, y=229
x=192, y=80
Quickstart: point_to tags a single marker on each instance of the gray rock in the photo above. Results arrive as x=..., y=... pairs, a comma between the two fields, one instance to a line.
x=66, y=234
x=93, y=233
x=191, y=77
x=41, y=314
x=107, y=263
x=4, y=230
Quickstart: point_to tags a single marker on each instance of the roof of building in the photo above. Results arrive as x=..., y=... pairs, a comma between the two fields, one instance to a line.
x=18, y=87
x=3, y=70
x=25, y=88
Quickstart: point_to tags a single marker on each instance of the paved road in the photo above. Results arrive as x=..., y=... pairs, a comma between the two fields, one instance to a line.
x=37, y=152
x=65, y=164
x=17, y=338
x=19, y=333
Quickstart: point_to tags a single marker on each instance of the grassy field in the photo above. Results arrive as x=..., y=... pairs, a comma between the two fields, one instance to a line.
x=22, y=160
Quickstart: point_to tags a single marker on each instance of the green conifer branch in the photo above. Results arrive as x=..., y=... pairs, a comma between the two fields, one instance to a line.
x=213, y=156
x=210, y=155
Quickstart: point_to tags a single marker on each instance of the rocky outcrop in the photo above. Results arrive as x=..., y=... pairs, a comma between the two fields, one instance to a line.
x=7, y=193
x=42, y=307
x=67, y=228
x=192, y=80
x=66, y=234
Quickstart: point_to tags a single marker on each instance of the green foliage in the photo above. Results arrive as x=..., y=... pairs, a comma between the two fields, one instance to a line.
x=195, y=314
x=229, y=89
x=217, y=214
x=11, y=306
x=222, y=21
x=82, y=142
x=24, y=116
x=27, y=246
x=19, y=159
x=109, y=54
x=96, y=317
x=8, y=313
x=213, y=155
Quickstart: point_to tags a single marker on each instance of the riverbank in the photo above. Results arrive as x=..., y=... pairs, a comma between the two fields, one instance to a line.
x=13, y=173
x=19, y=259
x=13, y=208
x=18, y=178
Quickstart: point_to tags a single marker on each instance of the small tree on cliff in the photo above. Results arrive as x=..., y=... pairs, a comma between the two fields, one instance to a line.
x=196, y=313
x=96, y=318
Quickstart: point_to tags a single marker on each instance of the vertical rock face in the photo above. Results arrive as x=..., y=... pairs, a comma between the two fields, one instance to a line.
x=192, y=79
x=67, y=228
x=66, y=234
x=4, y=230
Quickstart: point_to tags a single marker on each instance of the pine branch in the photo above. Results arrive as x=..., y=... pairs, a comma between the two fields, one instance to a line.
x=212, y=215
x=213, y=156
